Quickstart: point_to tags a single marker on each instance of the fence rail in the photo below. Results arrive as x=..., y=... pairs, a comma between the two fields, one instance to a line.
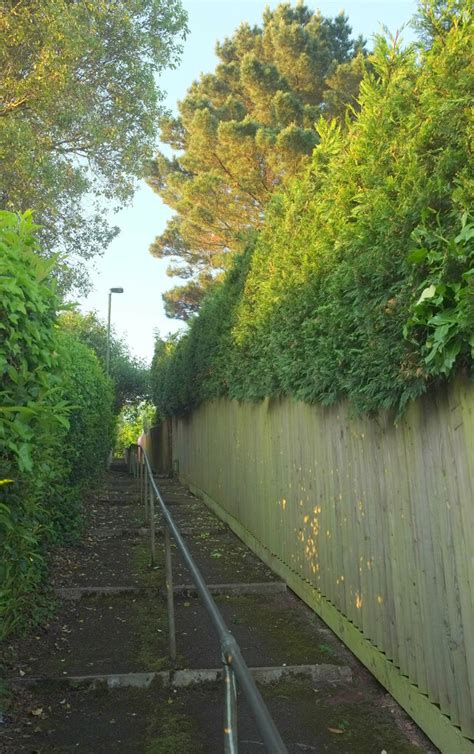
x=235, y=667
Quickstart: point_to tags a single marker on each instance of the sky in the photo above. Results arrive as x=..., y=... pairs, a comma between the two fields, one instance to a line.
x=138, y=313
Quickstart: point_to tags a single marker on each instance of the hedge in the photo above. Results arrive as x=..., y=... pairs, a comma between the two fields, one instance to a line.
x=360, y=285
x=55, y=424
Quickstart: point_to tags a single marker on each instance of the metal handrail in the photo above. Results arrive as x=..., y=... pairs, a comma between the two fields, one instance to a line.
x=234, y=664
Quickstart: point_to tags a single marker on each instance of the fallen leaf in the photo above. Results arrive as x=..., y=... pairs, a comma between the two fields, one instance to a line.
x=36, y=712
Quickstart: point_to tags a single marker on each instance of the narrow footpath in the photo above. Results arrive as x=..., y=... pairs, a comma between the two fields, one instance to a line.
x=96, y=679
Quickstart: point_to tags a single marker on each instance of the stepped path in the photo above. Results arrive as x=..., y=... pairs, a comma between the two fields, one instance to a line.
x=96, y=678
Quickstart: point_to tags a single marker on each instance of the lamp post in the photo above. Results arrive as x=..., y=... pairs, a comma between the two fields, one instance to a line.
x=107, y=353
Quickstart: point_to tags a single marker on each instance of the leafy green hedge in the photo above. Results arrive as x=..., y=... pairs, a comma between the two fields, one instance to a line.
x=361, y=283
x=55, y=422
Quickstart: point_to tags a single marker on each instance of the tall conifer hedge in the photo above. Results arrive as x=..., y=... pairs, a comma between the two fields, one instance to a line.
x=361, y=283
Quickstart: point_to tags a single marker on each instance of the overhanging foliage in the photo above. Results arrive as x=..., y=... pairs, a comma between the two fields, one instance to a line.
x=79, y=102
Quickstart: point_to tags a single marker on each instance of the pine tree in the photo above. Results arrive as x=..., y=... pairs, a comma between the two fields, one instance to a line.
x=244, y=130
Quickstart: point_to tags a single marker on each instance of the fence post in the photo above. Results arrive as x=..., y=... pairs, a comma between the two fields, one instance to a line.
x=146, y=484
x=151, y=513
x=137, y=467
x=140, y=485
x=170, y=593
x=142, y=481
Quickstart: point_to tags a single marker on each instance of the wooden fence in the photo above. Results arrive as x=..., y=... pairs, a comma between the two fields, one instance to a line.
x=371, y=523
x=157, y=443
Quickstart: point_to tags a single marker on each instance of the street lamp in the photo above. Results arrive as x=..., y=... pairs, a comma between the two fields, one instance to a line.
x=107, y=353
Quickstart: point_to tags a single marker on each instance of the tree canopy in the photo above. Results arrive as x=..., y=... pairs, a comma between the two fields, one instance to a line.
x=244, y=130
x=132, y=421
x=78, y=109
x=129, y=374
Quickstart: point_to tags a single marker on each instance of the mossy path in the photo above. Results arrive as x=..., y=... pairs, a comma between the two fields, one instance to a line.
x=127, y=633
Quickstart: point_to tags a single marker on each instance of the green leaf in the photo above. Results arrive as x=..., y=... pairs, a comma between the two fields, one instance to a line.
x=24, y=458
x=446, y=317
x=466, y=234
x=417, y=256
x=427, y=293
x=449, y=356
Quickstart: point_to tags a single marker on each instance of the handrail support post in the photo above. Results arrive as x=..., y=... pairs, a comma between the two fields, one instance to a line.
x=146, y=497
x=231, y=745
x=235, y=668
x=170, y=594
x=151, y=518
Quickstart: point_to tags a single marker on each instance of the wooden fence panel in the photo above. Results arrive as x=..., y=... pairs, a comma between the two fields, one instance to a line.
x=378, y=517
x=158, y=447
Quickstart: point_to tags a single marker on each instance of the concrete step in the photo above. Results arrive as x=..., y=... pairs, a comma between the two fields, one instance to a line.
x=323, y=673
x=187, y=590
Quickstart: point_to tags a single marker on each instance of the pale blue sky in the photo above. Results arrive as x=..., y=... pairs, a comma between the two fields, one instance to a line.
x=139, y=310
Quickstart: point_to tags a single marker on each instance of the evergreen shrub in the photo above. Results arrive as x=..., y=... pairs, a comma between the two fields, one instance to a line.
x=360, y=284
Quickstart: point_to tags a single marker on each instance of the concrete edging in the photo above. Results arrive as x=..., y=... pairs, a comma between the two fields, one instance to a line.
x=323, y=673
x=78, y=592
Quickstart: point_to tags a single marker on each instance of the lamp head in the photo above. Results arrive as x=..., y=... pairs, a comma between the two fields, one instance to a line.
x=116, y=290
